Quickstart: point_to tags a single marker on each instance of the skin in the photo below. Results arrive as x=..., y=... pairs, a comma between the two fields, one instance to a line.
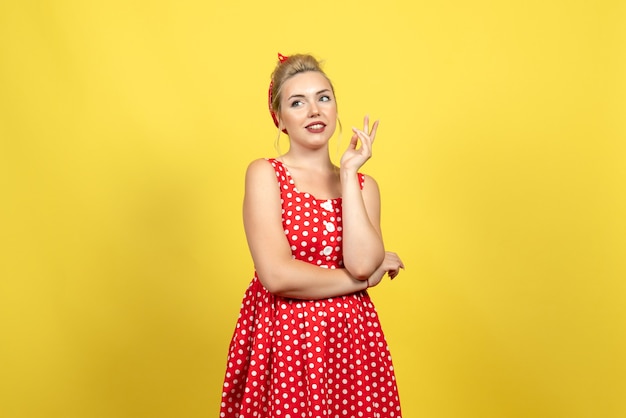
x=307, y=100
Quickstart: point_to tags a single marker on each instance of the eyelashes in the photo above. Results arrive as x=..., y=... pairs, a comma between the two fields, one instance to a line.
x=297, y=103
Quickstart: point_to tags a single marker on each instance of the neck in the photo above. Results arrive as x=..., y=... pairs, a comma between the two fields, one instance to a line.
x=318, y=159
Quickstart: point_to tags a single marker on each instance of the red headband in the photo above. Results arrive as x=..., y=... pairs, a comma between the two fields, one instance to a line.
x=281, y=58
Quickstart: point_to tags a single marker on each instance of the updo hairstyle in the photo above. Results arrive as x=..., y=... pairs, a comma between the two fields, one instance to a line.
x=293, y=65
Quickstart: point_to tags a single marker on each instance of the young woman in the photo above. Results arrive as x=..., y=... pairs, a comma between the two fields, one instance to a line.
x=308, y=342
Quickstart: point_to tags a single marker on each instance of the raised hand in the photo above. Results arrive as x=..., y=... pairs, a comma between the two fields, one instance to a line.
x=353, y=158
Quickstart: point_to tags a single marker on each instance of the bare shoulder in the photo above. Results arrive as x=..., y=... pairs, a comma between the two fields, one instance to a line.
x=259, y=166
x=260, y=170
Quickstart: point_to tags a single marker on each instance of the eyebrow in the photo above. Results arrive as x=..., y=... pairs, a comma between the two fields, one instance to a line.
x=293, y=96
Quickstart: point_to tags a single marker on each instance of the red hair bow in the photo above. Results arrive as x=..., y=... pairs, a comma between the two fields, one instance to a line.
x=282, y=58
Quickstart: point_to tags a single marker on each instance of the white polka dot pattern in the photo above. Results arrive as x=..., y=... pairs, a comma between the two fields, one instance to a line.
x=292, y=358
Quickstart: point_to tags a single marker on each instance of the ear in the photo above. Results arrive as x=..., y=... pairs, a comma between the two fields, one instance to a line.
x=282, y=128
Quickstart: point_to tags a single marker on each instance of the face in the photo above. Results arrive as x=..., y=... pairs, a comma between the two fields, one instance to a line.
x=308, y=109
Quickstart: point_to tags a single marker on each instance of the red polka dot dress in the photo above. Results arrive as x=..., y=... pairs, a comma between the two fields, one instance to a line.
x=292, y=358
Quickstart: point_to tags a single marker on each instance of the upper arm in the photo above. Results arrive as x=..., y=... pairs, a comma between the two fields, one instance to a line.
x=371, y=199
x=263, y=220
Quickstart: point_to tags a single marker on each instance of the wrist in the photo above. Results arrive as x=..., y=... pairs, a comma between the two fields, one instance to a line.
x=347, y=173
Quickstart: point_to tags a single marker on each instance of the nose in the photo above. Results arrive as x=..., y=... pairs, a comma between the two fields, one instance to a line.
x=313, y=110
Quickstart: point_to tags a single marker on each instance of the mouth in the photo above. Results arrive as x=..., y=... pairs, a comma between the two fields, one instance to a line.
x=316, y=127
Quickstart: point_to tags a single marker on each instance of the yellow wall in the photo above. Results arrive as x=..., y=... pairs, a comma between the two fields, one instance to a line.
x=126, y=127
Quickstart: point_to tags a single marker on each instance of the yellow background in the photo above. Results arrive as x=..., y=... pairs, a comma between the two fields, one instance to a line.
x=126, y=127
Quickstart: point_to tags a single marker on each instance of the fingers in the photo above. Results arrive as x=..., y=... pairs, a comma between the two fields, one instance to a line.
x=366, y=141
x=366, y=127
x=390, y=266
x=366, y=135
x=373, y=131
x=355, y=156
x=353, y=141
x=393, y=264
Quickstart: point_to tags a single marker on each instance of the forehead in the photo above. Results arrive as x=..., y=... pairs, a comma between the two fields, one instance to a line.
x=309, y=82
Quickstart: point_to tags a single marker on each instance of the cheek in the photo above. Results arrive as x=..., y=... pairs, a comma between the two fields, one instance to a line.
x=283, y=118
x=286, y=120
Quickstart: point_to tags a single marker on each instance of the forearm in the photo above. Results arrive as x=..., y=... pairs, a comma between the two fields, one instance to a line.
x=300, y=280
x=363, y=248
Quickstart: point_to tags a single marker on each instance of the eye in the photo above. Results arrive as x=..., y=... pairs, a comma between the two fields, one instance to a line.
x=296, y=103
x=325, y=99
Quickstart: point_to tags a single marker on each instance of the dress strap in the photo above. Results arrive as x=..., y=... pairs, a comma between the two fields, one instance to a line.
x=285, y=182
x=361, y=179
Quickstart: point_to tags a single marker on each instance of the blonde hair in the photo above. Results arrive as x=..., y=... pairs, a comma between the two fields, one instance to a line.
x=293, y=65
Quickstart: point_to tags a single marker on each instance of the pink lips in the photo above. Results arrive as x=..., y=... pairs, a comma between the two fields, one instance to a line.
x=316, y=127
